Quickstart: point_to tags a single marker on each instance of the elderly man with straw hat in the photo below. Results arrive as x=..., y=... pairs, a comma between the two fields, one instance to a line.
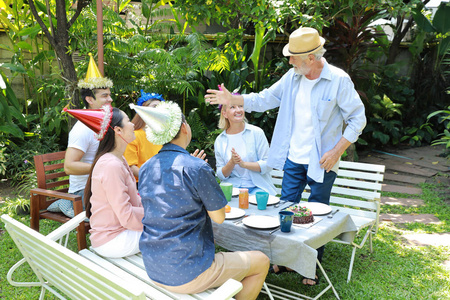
x=82, y=145
x=314, y=100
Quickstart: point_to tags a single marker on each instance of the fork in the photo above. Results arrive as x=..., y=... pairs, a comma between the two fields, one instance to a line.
x=333, y=213
x=240, y=221
x=279, y=203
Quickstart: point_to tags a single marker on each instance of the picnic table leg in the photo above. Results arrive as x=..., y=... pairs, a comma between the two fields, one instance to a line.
x=352, y=260
x=330, y=285
x=268, y=291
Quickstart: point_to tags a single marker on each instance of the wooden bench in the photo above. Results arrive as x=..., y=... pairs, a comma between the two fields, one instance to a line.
x=70, y=275
x=356, y=191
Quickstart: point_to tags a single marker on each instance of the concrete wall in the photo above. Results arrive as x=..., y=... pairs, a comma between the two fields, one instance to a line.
x=5, y=57
x=18, y=84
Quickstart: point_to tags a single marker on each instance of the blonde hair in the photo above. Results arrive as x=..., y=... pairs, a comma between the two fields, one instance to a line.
x=224, y=123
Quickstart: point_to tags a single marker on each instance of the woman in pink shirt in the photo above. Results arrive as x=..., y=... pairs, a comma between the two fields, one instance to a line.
x=113, y=205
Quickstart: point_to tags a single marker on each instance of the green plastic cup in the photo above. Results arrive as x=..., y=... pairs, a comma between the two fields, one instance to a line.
x=227, y=189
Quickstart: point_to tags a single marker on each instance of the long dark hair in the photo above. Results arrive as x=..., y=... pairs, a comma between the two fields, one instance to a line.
x=106, y=145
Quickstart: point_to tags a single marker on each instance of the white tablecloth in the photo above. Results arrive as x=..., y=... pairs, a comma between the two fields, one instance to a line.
x=296, y=249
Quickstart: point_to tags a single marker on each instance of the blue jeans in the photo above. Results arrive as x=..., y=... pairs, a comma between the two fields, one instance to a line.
x=253, y=190
x=294, y=182
x=80, y=193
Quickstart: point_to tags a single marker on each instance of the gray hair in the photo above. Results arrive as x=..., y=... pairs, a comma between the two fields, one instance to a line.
x=318, y=55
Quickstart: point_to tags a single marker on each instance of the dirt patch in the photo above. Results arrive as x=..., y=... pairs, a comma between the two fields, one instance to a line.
x=6, y=190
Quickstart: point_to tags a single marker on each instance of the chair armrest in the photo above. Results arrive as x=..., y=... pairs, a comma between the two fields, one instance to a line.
x=67, y=227
x=55, y=194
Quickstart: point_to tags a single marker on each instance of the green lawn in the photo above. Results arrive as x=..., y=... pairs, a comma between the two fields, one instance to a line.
x=395, y=270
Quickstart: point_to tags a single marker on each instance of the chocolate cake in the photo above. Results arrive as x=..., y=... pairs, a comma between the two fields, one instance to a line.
x=302, y=215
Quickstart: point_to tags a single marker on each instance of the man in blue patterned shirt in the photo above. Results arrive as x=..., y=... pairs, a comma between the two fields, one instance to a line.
x=181, y=196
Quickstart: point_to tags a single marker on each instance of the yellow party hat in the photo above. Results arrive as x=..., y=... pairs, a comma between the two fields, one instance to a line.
x=94, y=79
x=92, y=70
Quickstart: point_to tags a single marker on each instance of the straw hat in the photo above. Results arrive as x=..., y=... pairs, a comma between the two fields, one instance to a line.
x=94, y=79
x=303, y=41
x=163, y=121
x=98, y=120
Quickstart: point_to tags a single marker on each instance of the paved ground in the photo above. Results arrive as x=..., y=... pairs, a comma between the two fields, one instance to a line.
x=401, y=201
x=423, y=239
x=421, y=218
x=405, y=169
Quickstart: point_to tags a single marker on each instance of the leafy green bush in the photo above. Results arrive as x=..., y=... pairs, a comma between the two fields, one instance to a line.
x=445, y=136
x=381, y=122
x=19, y=154
x=51, y=116
x=202, y=137
x=10, y=111
x=17, y=206
x=389, y=120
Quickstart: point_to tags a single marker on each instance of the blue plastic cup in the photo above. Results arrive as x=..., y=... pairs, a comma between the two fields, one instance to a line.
x=286, y=218
x=261, y=200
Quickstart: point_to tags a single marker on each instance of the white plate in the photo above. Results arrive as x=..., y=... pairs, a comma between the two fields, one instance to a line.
x=261, y=222
x=235, y=213
x=235, y=192
x=272, y=200
x=318, y=209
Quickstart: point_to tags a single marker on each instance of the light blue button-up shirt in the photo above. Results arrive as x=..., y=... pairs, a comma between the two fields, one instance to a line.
x=257, y=150
x=333, y=100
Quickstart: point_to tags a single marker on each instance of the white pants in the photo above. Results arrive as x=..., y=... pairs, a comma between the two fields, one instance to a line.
x=125, y=244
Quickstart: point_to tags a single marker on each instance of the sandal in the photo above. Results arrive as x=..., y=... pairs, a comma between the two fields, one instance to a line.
x=281, y=269
x=315, y=280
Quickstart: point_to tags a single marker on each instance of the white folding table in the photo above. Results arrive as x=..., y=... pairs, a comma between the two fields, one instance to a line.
x=296, y=249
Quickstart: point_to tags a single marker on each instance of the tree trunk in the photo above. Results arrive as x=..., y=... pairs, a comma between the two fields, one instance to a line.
x=69, y=74
x=59, y=39
x=399, y=34
x=394, y=49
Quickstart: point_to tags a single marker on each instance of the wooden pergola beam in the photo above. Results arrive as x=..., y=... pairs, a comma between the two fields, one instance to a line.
x=100, y=36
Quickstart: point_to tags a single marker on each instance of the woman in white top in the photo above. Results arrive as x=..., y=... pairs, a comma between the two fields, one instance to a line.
x=241, y=152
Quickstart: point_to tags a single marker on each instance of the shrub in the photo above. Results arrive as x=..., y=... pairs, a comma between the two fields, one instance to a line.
x=19, y=154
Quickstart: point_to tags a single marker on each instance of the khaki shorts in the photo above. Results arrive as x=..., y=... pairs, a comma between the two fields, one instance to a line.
x=226, y=265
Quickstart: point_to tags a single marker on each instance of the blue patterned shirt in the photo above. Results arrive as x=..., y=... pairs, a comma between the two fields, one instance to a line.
x=177, y=191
